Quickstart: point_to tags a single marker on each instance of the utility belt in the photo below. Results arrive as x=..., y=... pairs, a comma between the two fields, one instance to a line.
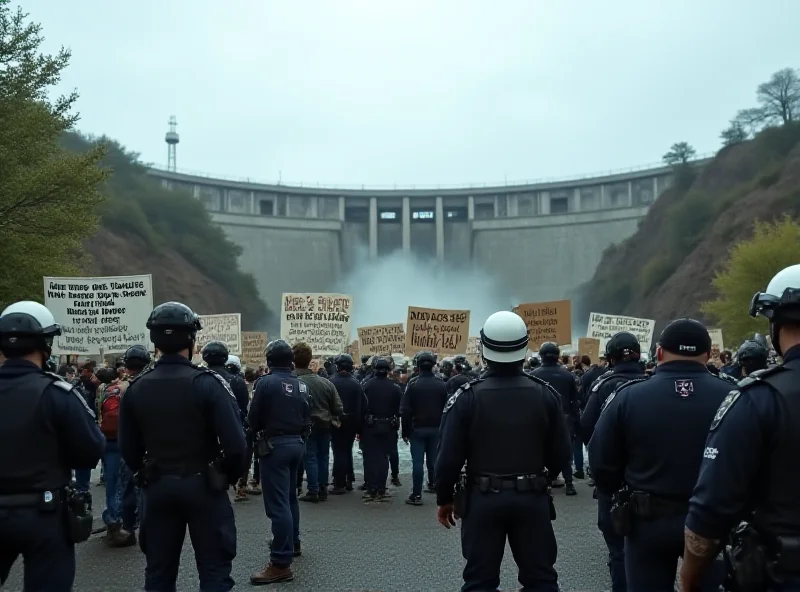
x=393, y=421
x=79, y=517
x=152, y=472
x=263, y=440
x=627, y=504
x=756, y=561
x=488, y=483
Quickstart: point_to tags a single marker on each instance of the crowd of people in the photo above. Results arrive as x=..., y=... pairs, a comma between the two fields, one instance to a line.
x=679, y=452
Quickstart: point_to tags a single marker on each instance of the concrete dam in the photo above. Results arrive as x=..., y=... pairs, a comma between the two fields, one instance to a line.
x=508, y=232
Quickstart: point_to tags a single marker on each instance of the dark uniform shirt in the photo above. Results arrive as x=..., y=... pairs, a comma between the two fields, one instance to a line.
x=181, y=416
x=423, y=403
x=46, y=430
x=238, y=386
x=601, y=390
x=563, y=381
x=354, y=402
x=383, y=397
x=749, y=457
x=281, y=405
x=502, y=424
x=456, y=382
x=588, y=379
x=652, y=432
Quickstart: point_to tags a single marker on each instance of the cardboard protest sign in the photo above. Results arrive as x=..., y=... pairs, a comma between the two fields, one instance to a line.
x=100, y=313
x=717, y=344
x=381, y=340
x=226, y=328
x=352, y=349
x=254, y=343
x=589, y=346
x=605, y=326
x=547, y=321
x=474, y=350
x=440, y=331
x=320, y=320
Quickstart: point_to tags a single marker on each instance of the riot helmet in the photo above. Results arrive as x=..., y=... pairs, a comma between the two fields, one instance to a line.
x=173, y=327
x=549, y=351
x=136, y=357
x=426, y=361
x=504, y=338
x=752, y=356
x=233, y=364
x=344, y=363
x=215, y=353
x=364, y=360
x=623, y=345
x=534, y=362
x=279, y=354
x=27, y=327
x=780, y=303
x=381, y=366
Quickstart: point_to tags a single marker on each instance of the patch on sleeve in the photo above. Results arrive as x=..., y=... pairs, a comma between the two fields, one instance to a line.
x=608, y=400
x=59, y=382
x=303, y=388
x=726, y=405
x=452, y=400
x=684, y=388
x=288, y=387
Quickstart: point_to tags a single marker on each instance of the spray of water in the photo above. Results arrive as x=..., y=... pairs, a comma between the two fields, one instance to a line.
x=383, y=290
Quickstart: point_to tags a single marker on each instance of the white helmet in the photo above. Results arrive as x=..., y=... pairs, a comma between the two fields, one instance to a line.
x=504, y=338
x=780, y=303
x=234, y=361
x=28, y=319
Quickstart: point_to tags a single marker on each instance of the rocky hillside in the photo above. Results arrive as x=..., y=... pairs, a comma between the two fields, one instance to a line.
x=665, y=270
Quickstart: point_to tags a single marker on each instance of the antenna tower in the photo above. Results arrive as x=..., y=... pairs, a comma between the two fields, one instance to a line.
x=172, y=138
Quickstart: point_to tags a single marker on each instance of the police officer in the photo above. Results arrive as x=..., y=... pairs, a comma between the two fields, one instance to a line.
x=379, y=430
x=751, y=357
x=216, y=355
x=564, y=382
x=752, y=445
x=280, y=418
x=650, y=439
x=509, y=428
x=363, y=369
x=461, y=374
x=46, y=429
x=354, y=403
x=180, y=428
x=622, y=352
x=421, y=412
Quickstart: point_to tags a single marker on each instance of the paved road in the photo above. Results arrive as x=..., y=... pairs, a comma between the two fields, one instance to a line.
x=348, y=546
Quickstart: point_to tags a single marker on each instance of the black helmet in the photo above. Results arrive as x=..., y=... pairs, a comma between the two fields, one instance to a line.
x=534, y=362
x=173, y=326
x=136, y=356
x=344, y=362
x=279, y=354
x=549, y=350
x=364, y=360
x=26, y=327
x=622, y=344
x=426, y=359
x=381, y=365
x=215, y=353
x=752, y=356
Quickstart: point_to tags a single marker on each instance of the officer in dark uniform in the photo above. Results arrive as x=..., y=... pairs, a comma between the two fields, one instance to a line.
x=421, y=413
x=46, y=429
x=751, y=357
x=648, y=444
x=509, y=428
x=280, y=418
x=180, y=429
x=622, y=352
x=354, y=403
x=215, y=354
x=564, y=382
x=363, y=369
x=746, y=471
x=379, y=430
x=460, y=375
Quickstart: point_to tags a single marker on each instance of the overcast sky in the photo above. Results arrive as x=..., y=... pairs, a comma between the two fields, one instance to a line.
x=416, y=92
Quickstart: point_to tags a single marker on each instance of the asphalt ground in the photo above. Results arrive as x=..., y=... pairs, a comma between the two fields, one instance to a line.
x=350, y=546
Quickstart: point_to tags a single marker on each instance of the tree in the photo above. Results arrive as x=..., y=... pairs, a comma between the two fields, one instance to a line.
x=48, y=196
x=751, y=266
x=779, y=98
x=679, y=153
x=734, y=134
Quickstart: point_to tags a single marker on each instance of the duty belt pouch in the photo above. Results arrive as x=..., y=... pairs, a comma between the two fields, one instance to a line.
x=395, y=422
x=217, y=480
x=748, y=561
x=263, y=447
x=642, y=505
x=621, y=514
x=461, y=498
x=79, y=518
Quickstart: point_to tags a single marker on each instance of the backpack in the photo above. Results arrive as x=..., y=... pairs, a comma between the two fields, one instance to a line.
x=109, y=409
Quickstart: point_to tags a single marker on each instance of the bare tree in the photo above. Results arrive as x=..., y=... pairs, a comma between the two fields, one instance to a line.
x=779, y=98
x=734, y=134
x=679, y=153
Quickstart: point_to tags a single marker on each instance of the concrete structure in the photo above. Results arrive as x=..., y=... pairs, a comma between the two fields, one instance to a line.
x=541, y=240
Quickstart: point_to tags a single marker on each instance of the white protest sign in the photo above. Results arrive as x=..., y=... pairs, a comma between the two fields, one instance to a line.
x=320, y=320
x=604, y=326
x=100, y=313
x=226, y=328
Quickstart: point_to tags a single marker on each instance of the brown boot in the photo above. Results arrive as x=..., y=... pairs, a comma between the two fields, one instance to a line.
x=241, y=494
x=272, y=574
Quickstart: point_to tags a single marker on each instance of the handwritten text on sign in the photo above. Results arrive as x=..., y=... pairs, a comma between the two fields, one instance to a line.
x=226, y=328
x=95, y=313
x=439, y=331
x=381, y=340
x=253, y=345
x=321, y=320
x=589, y=346
x=605, y=326
x=547, y=321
